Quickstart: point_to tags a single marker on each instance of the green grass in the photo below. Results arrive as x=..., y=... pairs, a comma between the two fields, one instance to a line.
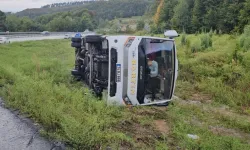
x=35, y=78
x=216, y=72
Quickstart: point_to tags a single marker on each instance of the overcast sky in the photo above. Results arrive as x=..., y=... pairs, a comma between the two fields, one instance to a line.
x=18, y=5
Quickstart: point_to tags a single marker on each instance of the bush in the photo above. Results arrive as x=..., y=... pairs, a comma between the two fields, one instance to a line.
x=215, y=32
x=200, y=43
x=246, y=60
x=220, y=32
x=237, y=57
x=140, y=25
x=245, y=39
x=211, y=32
x=196, y=46
x=206, y=41
x=184, y=39
x=128, y=29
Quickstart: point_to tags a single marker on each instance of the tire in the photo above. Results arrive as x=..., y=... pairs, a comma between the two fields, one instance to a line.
x=76, y=45
x=93, y=39
x=76, y=40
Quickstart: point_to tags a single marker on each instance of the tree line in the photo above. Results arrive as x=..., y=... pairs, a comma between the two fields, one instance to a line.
x=70, y=3
x=77, y=19
x=193, y=16
x=64, y=21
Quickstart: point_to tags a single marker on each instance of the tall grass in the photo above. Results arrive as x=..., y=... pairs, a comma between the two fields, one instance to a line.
x=222, y=73
x=201, y=43
x=36, y=79
x=245, y=39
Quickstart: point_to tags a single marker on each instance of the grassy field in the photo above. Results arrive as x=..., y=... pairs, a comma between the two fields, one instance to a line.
x=213, y=86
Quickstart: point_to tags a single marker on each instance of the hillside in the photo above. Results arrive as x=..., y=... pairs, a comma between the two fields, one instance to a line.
x=71, y=17
x=101, y=9
x=63, y=4
x=35, y=12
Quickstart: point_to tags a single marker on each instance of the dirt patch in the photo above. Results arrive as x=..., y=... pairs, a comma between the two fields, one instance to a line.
x=162, y=126
x=143, y=136
x=230, y=132
x=156, y=112
x=204, y=98
x=225, y=111
x=145, y=112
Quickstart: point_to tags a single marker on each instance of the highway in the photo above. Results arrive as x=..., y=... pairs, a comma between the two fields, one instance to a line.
x=36, y=38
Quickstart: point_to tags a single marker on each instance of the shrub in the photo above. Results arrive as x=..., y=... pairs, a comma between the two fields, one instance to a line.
x=245, y=39
x=188, y=43
x=237, y=57
x=215, y=32
x=246, y=60
x=211, y=32
x=184, y=39
x=140, y=25
x=128, y=29
x=206, y=41
x=220, y=32
x=196, y=46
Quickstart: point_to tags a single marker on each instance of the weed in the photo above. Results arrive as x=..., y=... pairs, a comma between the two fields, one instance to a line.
x=245, y=39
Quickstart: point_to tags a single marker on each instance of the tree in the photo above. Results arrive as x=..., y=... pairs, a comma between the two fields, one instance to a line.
x=2, y=21
x=140, y=25
x=201, y=15
x=13, y=23
x=196, y=21
x=210, y=20
x=158, y=12
x=181, y=17
x=167, y=14
x=244, y=18
x=26, y=24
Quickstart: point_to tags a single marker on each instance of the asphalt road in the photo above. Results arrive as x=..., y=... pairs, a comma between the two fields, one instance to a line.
x=19, y=133
x=36, y=38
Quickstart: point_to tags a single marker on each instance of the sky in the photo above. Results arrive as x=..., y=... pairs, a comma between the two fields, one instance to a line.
x=19, y=5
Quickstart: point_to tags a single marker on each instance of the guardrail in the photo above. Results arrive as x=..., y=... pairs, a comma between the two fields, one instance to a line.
x=30, y=33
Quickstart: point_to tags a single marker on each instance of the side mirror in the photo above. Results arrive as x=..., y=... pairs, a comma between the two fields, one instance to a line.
x=171, y=34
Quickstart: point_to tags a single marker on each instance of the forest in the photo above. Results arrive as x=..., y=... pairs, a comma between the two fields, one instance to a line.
x=77, y=18
x=70, y=3
x=193, y=16
x=190, y=16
